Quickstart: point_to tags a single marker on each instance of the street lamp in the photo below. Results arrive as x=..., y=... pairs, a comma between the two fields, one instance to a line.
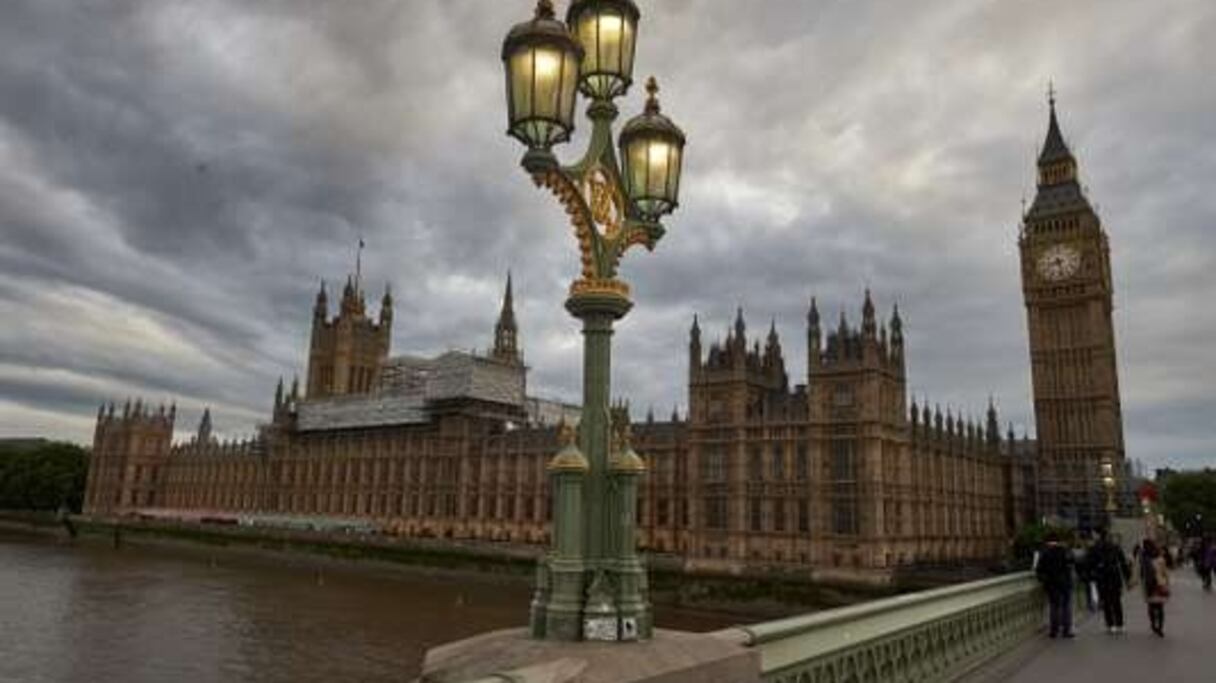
x=1108, y=483
x=591, y=584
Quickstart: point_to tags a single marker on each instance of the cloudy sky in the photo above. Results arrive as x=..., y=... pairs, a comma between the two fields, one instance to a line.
x=176, y=177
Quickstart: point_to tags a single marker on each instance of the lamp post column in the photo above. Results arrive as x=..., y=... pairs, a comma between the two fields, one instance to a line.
x=557, y=605
x=633, y=604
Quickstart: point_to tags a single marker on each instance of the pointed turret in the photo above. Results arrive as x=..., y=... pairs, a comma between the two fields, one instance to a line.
x=506, y=343
x=295, y=388
x=278, y=395
x=869, y=329
x=694, y=346
x=386, y=306
x=204, y=427
x=994, y=427
x=1054, y=147
x=740, y=329
x=1058, y=190
x=320, y=309
x=812, y=325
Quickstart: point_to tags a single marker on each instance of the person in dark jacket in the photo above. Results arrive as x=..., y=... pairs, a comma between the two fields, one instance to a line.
x=1202, y=557
x=1055, y=572
x=1110, y=570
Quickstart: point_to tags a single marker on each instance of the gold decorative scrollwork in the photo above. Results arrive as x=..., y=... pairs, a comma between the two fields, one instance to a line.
x=604, y=200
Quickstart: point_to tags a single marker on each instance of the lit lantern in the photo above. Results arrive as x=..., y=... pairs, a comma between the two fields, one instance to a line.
x=541, y=59
x=607, y=31
x=652, y=153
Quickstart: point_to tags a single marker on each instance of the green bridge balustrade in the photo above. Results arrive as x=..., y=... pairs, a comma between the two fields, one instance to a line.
x=932, y=636
x=935, y=635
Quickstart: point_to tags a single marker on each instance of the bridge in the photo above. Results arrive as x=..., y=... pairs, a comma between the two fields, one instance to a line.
x=989, y=631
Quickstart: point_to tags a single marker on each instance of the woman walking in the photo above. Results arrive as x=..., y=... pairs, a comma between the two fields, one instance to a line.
x=1155, y=578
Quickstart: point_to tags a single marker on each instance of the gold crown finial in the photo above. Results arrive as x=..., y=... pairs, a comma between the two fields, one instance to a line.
x=652, y=89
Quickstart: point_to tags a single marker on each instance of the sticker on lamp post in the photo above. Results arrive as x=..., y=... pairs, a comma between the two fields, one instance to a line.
x=599, y=628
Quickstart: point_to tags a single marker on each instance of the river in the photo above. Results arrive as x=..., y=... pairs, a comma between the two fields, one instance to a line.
x=88, y=612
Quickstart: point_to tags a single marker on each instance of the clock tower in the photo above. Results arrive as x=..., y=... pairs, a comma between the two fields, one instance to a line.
x=1066, y=284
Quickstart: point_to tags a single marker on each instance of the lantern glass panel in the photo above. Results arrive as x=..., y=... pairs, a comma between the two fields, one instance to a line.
x=542, y=82
x=653, y=174
x=608, y=37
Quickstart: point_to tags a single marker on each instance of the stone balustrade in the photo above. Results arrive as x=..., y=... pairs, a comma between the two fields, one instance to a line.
x=926, y=637
x=933, y=635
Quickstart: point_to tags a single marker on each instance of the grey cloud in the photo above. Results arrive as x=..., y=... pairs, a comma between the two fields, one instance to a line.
x=204, y=164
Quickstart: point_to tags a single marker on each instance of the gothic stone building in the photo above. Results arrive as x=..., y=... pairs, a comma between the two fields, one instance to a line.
x=835, y=475
x=1067, y=286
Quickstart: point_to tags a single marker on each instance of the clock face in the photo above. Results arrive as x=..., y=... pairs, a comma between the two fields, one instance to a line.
x=1059, y=262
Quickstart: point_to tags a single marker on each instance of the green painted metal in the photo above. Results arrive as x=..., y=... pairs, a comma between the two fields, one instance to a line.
x=934, y=635
x=606, y=581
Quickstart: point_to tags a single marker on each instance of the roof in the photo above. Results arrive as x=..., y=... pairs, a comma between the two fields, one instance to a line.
x=1054, y=147
x=409, y=384
x=1058, y=199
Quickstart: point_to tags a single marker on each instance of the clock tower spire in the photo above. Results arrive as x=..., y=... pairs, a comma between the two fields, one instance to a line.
x=1066, y=285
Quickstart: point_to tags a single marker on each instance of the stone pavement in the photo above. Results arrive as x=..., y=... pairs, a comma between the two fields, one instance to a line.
x=1187, y=654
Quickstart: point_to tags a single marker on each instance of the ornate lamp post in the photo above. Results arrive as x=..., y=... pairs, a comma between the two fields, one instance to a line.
x=592, y=585
x=1108, y=484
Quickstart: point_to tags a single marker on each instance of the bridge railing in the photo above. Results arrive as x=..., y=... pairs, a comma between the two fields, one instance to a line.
x=934, y=635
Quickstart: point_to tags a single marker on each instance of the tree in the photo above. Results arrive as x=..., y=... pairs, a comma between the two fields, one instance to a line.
x=42, y=475
x=1189, y=501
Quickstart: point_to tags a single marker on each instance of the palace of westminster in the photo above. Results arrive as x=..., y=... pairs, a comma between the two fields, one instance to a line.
x=835, y=475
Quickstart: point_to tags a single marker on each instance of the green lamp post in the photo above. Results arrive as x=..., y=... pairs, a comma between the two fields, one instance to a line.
x=591, y=584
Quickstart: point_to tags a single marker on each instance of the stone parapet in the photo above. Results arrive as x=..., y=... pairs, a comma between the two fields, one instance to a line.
x=669, y=657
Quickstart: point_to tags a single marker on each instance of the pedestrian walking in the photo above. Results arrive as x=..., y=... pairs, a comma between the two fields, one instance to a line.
x=1203, y=557
x=1055, y=573
x=1081, y=559
x=1155, y=578
x=1110, y=571
x=1210, y=562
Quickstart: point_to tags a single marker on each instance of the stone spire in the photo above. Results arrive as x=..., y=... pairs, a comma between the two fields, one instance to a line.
x=321, y=308
x=204, y=427
x=506, y=333
x=386, y=306
x=868, y=325
x=1054, y=147
x=694, y=347
x=993, y=427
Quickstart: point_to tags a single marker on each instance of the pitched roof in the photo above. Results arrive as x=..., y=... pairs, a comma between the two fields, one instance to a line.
x=1054, y=147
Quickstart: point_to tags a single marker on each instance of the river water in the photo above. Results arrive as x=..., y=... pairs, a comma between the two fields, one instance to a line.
x=87, y=612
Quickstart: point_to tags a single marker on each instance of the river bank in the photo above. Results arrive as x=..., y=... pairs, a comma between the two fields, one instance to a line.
x=747, y=597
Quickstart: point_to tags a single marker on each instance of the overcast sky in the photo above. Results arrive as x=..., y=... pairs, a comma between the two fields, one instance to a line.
x=176, y=177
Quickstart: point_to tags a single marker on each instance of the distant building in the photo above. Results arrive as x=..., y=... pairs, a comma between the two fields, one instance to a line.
x=841, y=477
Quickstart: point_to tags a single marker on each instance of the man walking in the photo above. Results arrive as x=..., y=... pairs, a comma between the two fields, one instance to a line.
x=1203, y=557
x=1055, y=572
x=1110, y=570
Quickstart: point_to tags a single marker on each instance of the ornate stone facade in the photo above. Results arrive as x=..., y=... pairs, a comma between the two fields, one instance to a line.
x=1066, y=282
x=837, y=475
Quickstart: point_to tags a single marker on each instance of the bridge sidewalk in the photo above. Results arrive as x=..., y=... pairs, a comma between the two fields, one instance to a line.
x=1187, y=654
